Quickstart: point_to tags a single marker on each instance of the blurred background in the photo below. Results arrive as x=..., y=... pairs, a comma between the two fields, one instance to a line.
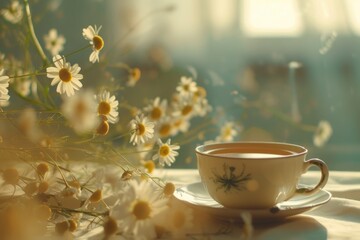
x=275, y=68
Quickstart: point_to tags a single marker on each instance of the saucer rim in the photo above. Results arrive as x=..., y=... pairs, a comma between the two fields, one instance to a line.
x=264, y=213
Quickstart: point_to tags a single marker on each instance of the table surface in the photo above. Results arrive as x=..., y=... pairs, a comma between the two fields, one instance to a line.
x=337, y=219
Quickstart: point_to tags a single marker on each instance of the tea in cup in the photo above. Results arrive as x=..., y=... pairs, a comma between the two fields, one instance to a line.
x=257, y=175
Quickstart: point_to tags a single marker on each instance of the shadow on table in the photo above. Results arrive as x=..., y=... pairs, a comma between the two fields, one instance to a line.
x=297, y=227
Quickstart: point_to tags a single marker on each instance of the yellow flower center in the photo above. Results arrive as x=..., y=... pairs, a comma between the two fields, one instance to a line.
x=65, y=75
x=74, y=183
x=96, y=196
x=165, y=130
x=201, y=92
x=72, y=225
x=169, y=189
x=98, y=42
x=61, y=227
x=104, y=108
x=42, y=168
x=140, y=129
x=141, y=210
x=178, y=219
x=43, y=212
x=11, y=176
x=156, y=113
x=110, y=227
x=164, y=150
x=30, y=188
x=186, y=110
x=135, y=74
x=80, y=109
x=227, y=132
x=149, y=165
x=127, y=175
x=43, y=187
x=186, y=87
x=103, y=128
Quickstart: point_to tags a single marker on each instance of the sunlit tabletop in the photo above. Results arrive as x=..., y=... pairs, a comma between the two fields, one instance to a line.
x=339, y=218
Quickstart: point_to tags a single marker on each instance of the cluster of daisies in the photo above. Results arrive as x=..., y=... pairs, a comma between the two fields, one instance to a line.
x=124, y=200
x=51, y=202
x=87, y=112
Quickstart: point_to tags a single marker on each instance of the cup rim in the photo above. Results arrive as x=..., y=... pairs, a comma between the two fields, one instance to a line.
x=302, y=150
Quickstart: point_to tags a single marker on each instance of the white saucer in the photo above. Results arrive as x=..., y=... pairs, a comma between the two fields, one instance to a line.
x=196, y=196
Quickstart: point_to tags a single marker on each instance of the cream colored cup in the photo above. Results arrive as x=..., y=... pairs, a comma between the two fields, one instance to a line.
x=255, y=174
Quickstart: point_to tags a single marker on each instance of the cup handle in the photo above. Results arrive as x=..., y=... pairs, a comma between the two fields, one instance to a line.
x=324, y=176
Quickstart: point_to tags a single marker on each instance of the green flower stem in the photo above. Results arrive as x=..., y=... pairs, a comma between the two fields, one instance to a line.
x=76, y=51
x=32, y=33
x=46, y=94
x=93, y=214
x=28, y=75
x=34, y=101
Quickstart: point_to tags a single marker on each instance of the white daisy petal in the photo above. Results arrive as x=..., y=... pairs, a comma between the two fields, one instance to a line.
x=89, y=33
x=59, y=87
x=94, y=57
x=55, y=81
x=96, y=41
x=107, y=106
x=66, y=76
x=58, y=61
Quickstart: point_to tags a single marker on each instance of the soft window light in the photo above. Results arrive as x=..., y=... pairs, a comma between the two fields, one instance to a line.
x=263, y=18
x=222, y=14
x=352, y=7
x=325, y=15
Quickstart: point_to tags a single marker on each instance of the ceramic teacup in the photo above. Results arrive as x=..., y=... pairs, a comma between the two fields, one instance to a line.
x=255, y=174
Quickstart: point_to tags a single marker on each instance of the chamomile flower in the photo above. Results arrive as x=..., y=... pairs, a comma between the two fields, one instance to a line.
x=80, y=111
x=227, y=132
x=187, y=87
x=166, y=153
x=141, y=211
x=165, y=128
x=157, y=109
x=184, y=108
x=54, y=43
x=107, y=106
x=181, y=124
x=322, y=133
x=92, y=34
x=134, y=77
x=66, y=76
x=14, y=13
x=4, y=84
x=202, y=107
x=142, y=130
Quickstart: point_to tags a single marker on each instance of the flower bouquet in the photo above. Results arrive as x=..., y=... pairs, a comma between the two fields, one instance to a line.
x=77, y=157
x=77, y=154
